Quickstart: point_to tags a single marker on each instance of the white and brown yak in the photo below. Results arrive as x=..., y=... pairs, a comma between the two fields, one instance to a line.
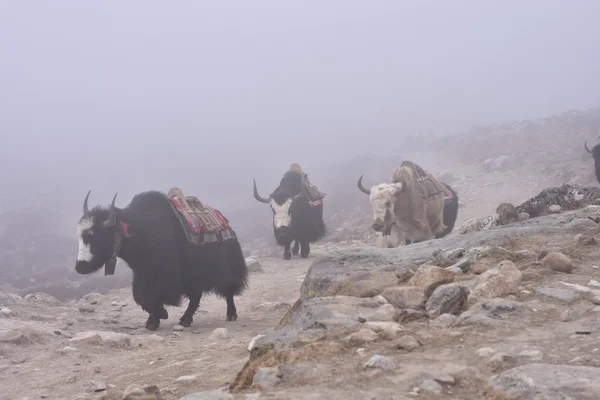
x=412, y=208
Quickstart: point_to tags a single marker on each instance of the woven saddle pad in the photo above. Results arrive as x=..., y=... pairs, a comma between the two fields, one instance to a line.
x=428, y=186
x=201, y=223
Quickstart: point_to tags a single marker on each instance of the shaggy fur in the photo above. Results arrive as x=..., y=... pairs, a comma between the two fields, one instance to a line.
x=596, y=154
x=165, y=265
x=398, y=205
x=294, y=219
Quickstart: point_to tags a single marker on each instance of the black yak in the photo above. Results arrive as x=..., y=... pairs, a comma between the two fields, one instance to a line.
x=295, y=216
x=595, y=151
x=149, y=237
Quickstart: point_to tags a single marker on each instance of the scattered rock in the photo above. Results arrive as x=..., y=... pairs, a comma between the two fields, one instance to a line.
x=404, y=296
x=429, y=385
x=97, y=386
x=554, y=209
x=386, y=312
x=362, y=336
x=132, y=391
x=557, y=262
x=446, y=299
x=101, y=337
x=186, y=378
x=545, y=381
x=219, y=333
x=565, y=295
x=382, y=362
x=266, y=377
x=388, y=329
x=253, y=265
x=443, y=321
x=178, y=328
x=502, y=280
x=485, y=352
x=406, y=342
x=86, y=309
x=501, y=361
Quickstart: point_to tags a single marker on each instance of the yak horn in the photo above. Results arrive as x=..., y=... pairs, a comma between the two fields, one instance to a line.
x=585, y=147
x=361, y=187
x=112, y=214
x=86, y=210
x=257, y=196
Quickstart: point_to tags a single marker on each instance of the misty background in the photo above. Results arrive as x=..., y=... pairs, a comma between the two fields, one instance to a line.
x=131, y=96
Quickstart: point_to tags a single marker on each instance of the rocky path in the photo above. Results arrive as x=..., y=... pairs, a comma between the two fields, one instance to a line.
x=97, y=347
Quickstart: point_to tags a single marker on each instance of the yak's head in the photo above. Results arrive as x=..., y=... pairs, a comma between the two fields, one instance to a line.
x=96, y=232
x=595, y=151
x=384, y=198
x=281, y=204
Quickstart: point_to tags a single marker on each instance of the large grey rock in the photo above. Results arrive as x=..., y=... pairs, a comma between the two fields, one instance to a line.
x=448, y=298
x=368, y=271
x=546, y=381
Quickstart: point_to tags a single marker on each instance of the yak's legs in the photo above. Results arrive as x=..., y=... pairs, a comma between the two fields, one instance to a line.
x=287, y=254
x=188, y=316
x=296, y=248
x=157, y=312
x=305, y=250
x=231, y=310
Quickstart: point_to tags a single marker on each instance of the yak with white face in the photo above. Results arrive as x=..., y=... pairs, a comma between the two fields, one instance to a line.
x=295, y=218
x=399, y=208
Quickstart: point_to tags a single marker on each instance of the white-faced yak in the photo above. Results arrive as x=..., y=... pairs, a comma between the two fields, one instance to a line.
x=296, y=217
x=168, y=252
x=413, y=207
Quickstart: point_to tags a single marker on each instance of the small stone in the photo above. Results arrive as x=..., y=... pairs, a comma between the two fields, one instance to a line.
x=566, y=316
x=386, y=312
x=534, y=355
x=404, y=296
x=446, y=299
x=186, y=378
x=557, y=262
x=429, y=277
x=219, y=333
x=443, y=321
x=429, y=385
x=66, y=350
x=253, y=265
x=554, y=209
x=178, y=328
x=361, y=337
x=86, y=309
x=97, y=386
x=382, y=362
x=596, y=300
x=565, y=295
x=501, y=361
x=132, y=391
x=6, y=312
x=406, y=342
x=455, y=270
x=502, y=280
x=389, y=329
x=485, y=352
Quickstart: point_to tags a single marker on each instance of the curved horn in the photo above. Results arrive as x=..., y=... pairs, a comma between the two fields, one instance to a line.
x=86, y=210
x=585, y=147
x=361, y=187
x=112, y=214
x=257, y=196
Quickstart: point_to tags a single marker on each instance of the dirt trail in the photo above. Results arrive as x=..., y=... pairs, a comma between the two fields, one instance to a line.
x=45, y=364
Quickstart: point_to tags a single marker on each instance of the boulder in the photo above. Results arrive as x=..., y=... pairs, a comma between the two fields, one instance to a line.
x=429, y=277
x=502, y=280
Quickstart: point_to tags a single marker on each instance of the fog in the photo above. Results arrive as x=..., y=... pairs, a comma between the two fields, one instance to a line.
x=128, y=96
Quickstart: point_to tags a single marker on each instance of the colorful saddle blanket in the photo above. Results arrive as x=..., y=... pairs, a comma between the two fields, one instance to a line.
x=202, y=224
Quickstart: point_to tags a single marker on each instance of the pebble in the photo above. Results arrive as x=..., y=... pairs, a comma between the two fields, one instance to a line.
x=186, y=378
x=87, y=309
x=557, y=262
x=429, y=385
x=406, y=342
x=97, y=386
x=566, y=316
x=132, y=391
x=178, y=328
x=596, y=300
x=382, y=362
x=362, y=336
x=219, y=333
x=485, y=352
